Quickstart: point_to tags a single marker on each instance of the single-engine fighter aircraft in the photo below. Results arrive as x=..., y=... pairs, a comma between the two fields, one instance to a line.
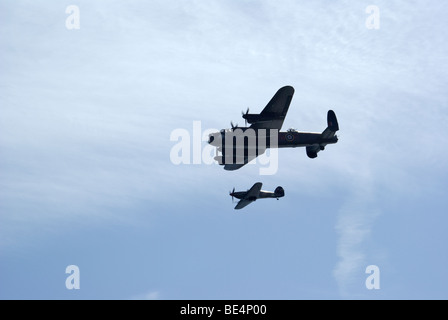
x=246, y=143
x=254, y=193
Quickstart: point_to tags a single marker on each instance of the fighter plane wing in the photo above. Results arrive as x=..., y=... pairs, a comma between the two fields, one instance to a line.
x=254, y=192
x=250, y=196
x=275, y=111
x=242, y=203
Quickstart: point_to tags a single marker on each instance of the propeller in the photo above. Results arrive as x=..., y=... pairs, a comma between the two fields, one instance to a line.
x=231, y=194
x=244, y=114
x=234, y=126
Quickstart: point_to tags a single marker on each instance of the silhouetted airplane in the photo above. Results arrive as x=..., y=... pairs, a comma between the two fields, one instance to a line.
x=271, y=118
x=254, y=193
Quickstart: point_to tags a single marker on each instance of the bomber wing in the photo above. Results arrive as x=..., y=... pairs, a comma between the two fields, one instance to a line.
x=275, y=111
x=245, y=160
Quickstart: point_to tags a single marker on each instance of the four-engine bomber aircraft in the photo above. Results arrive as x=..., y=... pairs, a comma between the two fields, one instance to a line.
x=265, y=128
x=254, y=193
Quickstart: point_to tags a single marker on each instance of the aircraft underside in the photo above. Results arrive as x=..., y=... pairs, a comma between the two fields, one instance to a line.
x=241, y=148
x=240, y=145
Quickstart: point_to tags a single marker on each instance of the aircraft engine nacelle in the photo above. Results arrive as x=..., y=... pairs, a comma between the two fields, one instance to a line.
x=215, y=138
x=279, y=192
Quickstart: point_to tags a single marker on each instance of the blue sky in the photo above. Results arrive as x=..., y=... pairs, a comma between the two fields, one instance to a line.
x=86, y=177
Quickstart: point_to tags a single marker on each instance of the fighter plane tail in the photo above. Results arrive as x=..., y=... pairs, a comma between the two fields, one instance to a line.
x=279, y=192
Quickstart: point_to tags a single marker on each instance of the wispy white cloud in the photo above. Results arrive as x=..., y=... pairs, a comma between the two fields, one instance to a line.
x=354, y=226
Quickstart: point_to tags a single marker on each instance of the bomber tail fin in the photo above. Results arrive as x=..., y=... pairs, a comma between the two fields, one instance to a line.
x=332, y=121
x=333, y=125
x=328, y=135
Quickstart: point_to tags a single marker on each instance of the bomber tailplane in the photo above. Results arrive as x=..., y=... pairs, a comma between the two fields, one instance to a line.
x=328, y=135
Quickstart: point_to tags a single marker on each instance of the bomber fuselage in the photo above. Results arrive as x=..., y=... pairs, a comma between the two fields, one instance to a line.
x=248, y=138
